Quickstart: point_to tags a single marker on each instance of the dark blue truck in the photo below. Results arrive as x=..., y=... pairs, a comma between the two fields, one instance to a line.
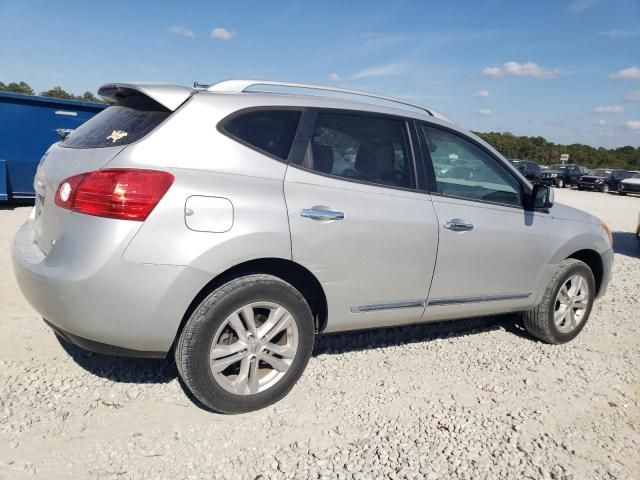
x=28, y=126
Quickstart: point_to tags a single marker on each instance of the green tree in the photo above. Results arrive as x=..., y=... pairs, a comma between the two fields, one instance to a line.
x=13, y=87
x=544, y=152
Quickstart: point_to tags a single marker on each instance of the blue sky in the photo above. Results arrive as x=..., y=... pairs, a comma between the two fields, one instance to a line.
x=568, y=70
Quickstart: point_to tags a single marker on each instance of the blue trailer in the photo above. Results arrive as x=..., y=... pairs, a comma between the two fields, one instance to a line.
x=28, y=126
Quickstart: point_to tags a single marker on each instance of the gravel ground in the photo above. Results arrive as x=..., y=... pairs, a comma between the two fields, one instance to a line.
x=471, y=399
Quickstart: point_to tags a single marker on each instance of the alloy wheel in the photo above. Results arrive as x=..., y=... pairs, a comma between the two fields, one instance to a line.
x=571, y=304
x=254, y=348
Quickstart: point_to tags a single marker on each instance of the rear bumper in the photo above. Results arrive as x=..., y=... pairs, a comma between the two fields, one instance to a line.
x=94, y=298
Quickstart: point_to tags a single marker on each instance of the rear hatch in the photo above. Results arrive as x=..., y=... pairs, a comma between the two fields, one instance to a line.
x=135, y=111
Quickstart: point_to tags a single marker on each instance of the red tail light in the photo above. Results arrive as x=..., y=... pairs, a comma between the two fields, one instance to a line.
x=124, y=194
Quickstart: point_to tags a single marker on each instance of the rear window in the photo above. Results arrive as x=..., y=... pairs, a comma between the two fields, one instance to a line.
x=121, y=124
x=270, y=131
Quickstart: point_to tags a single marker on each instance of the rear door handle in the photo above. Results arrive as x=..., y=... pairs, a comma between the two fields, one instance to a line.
x=458, y=225
x=316, y=213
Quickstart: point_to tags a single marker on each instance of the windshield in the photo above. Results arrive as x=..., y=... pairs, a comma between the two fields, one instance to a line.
x=558, y=167
x=637, y=175
x=600, y=173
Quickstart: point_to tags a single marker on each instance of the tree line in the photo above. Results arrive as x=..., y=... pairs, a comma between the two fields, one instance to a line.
x=55, y=92
x=544, y=152
x=511, y=146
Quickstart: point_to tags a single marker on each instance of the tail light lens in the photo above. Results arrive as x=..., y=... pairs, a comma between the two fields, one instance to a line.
x=123, y=194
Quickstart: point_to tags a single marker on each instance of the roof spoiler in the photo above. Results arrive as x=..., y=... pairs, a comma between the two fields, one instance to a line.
x=167, y=95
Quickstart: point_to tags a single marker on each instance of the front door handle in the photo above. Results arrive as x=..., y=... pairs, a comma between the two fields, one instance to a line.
x=316, y=213
x=458, y=225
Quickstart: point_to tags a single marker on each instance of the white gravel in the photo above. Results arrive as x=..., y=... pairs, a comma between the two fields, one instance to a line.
x=485, y=401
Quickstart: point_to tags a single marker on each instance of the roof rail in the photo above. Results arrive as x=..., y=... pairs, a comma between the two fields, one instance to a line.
x=239, y=86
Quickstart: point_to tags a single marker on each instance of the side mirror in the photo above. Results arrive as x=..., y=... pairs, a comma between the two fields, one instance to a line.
x=542, y=197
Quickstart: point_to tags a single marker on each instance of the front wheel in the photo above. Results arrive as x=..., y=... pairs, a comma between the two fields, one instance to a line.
x=605, y=188
x=565, y=306
x=560, y=183
x=246, y=345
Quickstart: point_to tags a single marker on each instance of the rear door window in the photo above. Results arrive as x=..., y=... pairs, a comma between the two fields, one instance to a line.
x=362, y=148
x=269, y=131
x=129, y=120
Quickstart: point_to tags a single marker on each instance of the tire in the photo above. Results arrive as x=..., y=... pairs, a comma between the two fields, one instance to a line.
x=194, y=349
x=539, y=321
x=605, y=188
x=560, y=183
x=622, y=193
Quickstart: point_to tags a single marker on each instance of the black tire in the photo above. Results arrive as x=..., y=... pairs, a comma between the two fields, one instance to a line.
x=539, y=320
x=560, y=183
x=193, y=347
x=621, y=193
x=605, y=188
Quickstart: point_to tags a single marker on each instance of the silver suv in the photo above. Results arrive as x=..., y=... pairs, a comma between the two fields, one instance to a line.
x=230, y=224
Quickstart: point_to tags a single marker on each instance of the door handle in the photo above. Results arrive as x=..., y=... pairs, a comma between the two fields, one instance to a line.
x=315, y=213
x=458, y=225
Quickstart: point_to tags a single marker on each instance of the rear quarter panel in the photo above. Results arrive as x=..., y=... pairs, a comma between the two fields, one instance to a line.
x=208, y=163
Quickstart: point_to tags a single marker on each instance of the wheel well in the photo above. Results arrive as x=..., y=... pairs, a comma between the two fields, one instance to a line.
x=293, y=273
x=594, y=262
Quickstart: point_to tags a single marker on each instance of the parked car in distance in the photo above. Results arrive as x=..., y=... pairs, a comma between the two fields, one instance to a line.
x=594, y=180
x=529, y=169
x=629, y=185
x=562, y=175
x=228, y=226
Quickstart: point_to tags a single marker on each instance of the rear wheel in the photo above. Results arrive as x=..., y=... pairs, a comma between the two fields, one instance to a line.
x=246, y=345
x=560, y=183
x=566, y=304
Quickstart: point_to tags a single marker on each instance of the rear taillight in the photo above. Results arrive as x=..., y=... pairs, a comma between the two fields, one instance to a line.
x=124, y=194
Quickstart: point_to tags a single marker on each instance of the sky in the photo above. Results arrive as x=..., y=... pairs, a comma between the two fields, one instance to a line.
x=567, y=70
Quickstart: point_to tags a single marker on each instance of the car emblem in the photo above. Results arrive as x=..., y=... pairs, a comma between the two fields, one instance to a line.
x=117, y=135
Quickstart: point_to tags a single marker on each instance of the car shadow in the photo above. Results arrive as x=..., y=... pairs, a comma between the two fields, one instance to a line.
x=13, y=204
x=144, y=370
x=122, y=369
x=626, y=243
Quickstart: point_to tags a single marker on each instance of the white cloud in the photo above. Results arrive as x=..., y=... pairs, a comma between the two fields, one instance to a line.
x=379, y=71
x=601, y=123
x=579, y=5
x=633, y=124
x=181, y=30
x=634, y=96
x=619, y=33
x=481, y=94
x=609, y=109
x=516, y=69
x=631, y=73
x=485, y=112
x=222, y=34
x=334, y=77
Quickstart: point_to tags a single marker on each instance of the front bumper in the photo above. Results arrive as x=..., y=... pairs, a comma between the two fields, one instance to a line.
x=94, y=298
x=607, y=266
x=590, y=186
x=547, y=181
x=629, y=188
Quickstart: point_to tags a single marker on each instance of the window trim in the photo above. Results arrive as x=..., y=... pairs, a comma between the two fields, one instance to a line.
x=525, y=190
x=220, y=127
x=305, y=131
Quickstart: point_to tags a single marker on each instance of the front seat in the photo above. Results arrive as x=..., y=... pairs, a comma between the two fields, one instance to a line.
x=375, y=163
